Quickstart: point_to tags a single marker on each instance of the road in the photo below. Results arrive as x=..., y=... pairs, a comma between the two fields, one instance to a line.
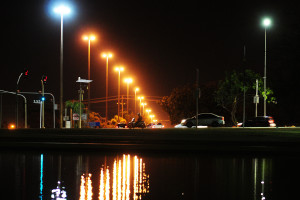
x=218, y=140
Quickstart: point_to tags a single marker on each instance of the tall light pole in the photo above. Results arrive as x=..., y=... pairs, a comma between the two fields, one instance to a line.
x=140, y=98
x=119, y=69
x=148, y=111
x=151, y=116
x=144, y=104
x=61, y=10
x=106, y=55
x=135, y=90
x=128, y=81
x=266, y=24
x=89, y=39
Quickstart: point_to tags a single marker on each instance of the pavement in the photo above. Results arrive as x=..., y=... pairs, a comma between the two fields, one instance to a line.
x=203, y=140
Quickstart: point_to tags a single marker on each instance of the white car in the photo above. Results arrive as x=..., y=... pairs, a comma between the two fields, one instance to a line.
x=204, y=119
x=157, y=125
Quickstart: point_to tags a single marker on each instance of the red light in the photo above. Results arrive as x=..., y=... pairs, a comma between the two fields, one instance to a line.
x=223, y=118
x=271, y=121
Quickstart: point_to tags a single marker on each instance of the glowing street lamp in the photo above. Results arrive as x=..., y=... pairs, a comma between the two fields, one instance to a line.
x=61, y=10
x=135, y=90
x=140, y=98
x=106, y=55
x=266, y=24
x=119, y=69
x=148, y=111
x=89, y=39
x=144, y=104
x=152, y=116
x=128, y=81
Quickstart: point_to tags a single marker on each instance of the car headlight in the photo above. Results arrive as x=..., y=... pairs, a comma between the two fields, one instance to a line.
x=182, y=121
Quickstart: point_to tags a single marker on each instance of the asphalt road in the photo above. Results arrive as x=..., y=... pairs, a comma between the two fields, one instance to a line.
x=217, y=140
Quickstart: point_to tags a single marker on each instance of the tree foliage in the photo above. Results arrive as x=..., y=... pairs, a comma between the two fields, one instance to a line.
x=181, y=103
x=74, y=105
x=231, y=89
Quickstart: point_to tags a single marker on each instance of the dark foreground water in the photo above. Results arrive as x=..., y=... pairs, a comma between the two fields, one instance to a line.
x=118, y=176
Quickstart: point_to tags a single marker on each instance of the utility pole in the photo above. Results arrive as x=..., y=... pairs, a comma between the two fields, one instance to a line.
x=244, y=99
x=256, y=98
x=80, y=81
x=43, y=105
x=197, y=96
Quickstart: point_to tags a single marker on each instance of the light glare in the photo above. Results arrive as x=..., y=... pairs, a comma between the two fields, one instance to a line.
x=267, y=22
x=62, y=10
x=119, y=69
x=128, y=80
x=107, y=55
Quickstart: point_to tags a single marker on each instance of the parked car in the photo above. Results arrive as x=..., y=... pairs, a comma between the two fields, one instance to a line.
x=260, y=121
x=204, y=119
x=155, y=125
x=121, y=125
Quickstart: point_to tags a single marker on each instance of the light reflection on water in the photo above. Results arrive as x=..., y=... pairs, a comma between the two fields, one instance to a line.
x=129, y=176
x=121, y=181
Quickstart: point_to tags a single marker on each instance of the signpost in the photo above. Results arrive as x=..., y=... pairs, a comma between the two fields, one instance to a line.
x=81, y=81
x=41, y=103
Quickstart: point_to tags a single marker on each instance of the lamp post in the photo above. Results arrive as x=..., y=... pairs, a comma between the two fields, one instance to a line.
x=61, y=10
x=140, y=98
x=151, y=116
x=148, y=111
x=144, y=104
x=81, y=81
x=119, y=69
x=106, y=55
x=128, y=81
x=266, y=24
x=89, y=39
x=135, y=90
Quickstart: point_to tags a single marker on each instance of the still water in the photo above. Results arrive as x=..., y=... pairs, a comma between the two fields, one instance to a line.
x=142, y=176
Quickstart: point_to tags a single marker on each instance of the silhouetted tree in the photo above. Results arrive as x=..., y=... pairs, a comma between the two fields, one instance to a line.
x=231, y=89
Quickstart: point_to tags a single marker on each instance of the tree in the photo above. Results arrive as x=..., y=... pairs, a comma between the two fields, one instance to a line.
x=230, y=91
x=114, y=121
x=181, y=103
x=74, y=106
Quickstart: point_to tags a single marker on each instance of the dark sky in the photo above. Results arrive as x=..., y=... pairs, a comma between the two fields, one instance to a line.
x=160, y=43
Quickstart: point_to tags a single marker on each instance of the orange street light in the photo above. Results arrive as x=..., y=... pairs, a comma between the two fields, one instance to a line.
x=128, y=81
x=119, y=69
x=140, y=98
x=135, y=90
x=148, y=111
x=89, y=39
x=106, y=55
x=152, y=116
x=144, y=104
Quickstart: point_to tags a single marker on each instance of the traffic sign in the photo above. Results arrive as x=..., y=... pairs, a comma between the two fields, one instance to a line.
x=75, y=116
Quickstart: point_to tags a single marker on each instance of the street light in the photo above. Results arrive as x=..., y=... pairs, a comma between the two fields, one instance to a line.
x=140, y=98
x=266, y=24
x=89, y=39
x=119, y=69
x=135, y=90
x=148, y=111
x=144, y=104
x=61, y=10
x=128, y=81
x=106, y=55
x=152, y=116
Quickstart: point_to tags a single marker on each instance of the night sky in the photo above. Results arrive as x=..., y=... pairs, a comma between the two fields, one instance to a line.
x=160, y=44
